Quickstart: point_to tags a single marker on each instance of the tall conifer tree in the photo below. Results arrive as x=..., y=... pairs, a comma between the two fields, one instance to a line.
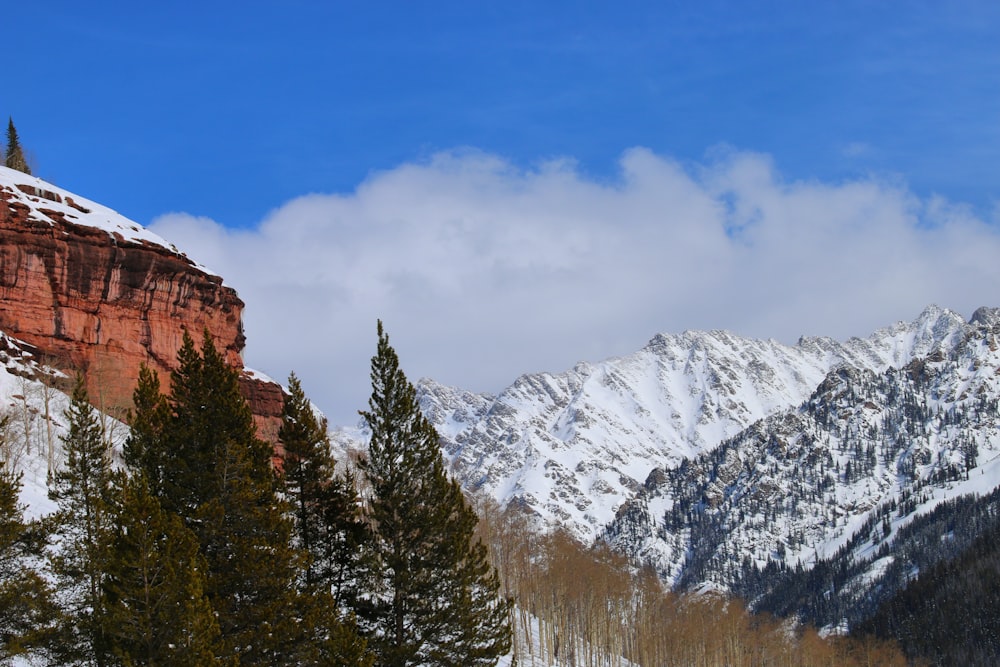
x=217, y=476
x=144, y=448
x=475, y=622
x=307, y=471
x=326, y=507
x=81, y=490
x=434, y=597
x=327, y=527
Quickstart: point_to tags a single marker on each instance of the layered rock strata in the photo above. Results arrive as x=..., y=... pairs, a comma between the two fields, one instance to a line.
x=95, y=292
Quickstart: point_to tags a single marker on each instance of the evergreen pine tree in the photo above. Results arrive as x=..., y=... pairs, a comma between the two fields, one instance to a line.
x=217, y=476
x=475, y=622
x=27, y=609
x=81, y=490
x=307, y=470
x=327, y=528
x=14, y=157
x=157, y=611
x=340, y=562
x=434, y=599
x=143, y=450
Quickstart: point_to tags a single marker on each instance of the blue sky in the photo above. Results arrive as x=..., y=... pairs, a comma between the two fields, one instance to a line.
x=229, y=112
x=229, y=126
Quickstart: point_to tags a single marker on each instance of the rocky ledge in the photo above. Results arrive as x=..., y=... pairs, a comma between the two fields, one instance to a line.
x=93, y=291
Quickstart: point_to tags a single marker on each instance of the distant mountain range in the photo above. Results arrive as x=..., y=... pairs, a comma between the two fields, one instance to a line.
x=717, y=458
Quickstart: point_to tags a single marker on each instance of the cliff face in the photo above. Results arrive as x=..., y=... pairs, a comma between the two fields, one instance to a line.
x=94, y=291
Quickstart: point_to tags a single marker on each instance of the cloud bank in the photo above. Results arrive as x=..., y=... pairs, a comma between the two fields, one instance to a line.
x=481, y=270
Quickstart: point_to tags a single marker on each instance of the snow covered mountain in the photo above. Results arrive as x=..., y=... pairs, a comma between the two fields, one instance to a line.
x=846, y=480
x=814, y=479
x=574, y=447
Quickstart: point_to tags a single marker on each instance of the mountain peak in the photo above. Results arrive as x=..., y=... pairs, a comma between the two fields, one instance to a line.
x=838, y=478
x=986, y=316
x=572, y=447
x=940, y=320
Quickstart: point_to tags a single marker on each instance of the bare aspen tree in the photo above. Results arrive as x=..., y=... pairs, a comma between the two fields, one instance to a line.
x=113, y=417
x=46, y=394
x=27, y=413
x=11, y=445
x=587, y=607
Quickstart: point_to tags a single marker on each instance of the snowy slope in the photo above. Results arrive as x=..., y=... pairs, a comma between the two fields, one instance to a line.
x=35, y=423
x=44, y=199
x=573, y=447
x=34, y=412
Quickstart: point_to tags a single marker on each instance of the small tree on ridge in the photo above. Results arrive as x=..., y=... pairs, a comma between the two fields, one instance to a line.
x=15, y=154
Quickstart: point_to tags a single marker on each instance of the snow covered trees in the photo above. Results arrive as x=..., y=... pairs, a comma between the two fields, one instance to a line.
x=432, y=596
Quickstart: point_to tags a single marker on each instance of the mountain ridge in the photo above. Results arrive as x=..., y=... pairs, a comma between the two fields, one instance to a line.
x=571, y=447
x=831, y=481
x=803, y=478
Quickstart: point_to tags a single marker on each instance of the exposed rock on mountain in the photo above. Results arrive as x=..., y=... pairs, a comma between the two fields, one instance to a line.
x=573, y=447
x=94, y=291
x=831, y=482
x=813, y=479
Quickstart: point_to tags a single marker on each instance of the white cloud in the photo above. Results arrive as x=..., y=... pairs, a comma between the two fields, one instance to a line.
x=482, y=271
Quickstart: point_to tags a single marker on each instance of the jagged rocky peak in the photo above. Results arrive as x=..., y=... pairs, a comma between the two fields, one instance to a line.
x=443, y=405
x=839, y=475
x=573, y=447
x=986, y=316
x=936, y=328
x=94, y=291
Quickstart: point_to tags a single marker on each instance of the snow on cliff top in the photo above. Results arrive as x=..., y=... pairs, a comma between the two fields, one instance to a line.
x=42, y=195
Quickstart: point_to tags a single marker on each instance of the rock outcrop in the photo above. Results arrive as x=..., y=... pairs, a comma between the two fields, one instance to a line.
x=93, y=291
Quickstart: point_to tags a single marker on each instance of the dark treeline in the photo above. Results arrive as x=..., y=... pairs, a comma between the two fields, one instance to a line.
x=947, y=615
x=196, y=548
x=950, y=615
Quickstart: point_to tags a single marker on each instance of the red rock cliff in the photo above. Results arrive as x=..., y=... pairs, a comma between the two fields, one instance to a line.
x=94, y=291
